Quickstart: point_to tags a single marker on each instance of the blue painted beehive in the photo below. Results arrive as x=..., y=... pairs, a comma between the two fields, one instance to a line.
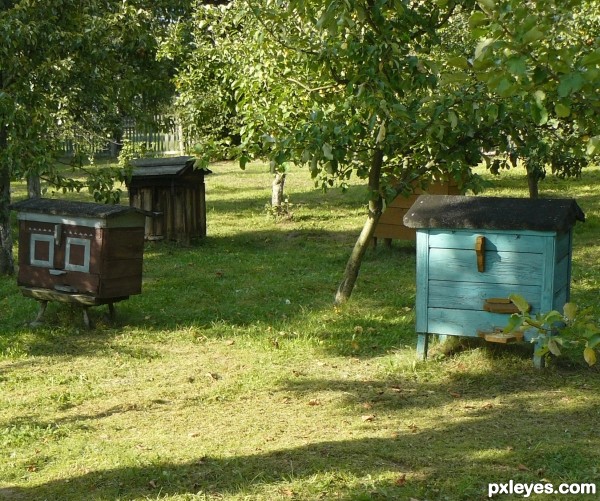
x=473, y=252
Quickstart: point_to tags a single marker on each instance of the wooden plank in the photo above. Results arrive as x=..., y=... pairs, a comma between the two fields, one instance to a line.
x=422, y=281
x=123, y=268
x=509, y=241
x=467, y=323
x=563, y=245
x=122, y=244
x=471, y=295
x=501, y=267
x=394, y=231
x=201, y=194
x=125, y=286
x=393, y=215
x=561, y=297
x=561, y=273
x=49, y=295
x=40, y=277
x=548, y=275
x=401, y=202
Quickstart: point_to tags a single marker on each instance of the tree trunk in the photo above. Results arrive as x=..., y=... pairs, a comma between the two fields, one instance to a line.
x=34, y=186
x=277, y=192
x=7, y=265
x=364, y=239
x=533, y=180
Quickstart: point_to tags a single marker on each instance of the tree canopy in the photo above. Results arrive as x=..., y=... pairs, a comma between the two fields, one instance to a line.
x=72, y=69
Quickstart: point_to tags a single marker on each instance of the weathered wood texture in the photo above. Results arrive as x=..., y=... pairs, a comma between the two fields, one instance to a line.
x=98, y=253
x=391, y=225
x=453, y=297
x=174, y=192
x=455, y=286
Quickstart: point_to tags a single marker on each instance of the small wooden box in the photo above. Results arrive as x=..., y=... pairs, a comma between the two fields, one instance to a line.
x=473, y=252
x=80, y=248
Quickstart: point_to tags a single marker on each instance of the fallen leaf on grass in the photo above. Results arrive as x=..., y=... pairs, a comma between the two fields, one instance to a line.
x=213, y=375
x=400, y=480
x=314, y=401
x=230, y=342
x=152, y=484
x=368, y=418
x=454, y=394
x=522, y=467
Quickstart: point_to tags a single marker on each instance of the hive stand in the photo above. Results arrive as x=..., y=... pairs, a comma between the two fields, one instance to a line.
x=44, y=296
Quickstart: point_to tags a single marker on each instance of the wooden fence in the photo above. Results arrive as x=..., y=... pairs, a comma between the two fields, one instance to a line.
x=166, y=139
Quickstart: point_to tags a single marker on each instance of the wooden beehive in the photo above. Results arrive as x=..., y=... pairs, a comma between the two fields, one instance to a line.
x=79, y=252
x=391, y=223
x=473, y=252
x=174, y=191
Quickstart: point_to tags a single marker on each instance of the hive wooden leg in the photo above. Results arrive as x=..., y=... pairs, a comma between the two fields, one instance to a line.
x=112, y=312
x=422, y=343
x=86, y=318
x=40, y=314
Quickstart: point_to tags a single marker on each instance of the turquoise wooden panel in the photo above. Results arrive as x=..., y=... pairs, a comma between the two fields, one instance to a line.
x=561, y=296
x=471, y=296
x=547, y=279
x=562, y=272
x=465, y=322
x=495, y=241
x=422, y=280
x=563, y=245
x=500, y=267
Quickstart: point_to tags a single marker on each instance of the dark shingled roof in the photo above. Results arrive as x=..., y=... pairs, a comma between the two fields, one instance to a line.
x=455, y=211
x=70, y=208
x=168, y=167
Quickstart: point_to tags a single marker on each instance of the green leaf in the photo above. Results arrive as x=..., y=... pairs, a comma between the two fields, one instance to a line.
x=539, y=114
x=520, y=302
x=591, y=59
x=481, y=48
x=478, y=18
x=381, y=134
x=593, y=341
x=453, y=117
x=487, y=5
x=533, y=35
x=562, y=110
x=553, y=347
x=458, y=62
x=593, y=146
x=552, y=317
x=517, y=66
x=514, y=323
x=328, y=151
x=572, y=82
x=589, y=354
x=570, y=310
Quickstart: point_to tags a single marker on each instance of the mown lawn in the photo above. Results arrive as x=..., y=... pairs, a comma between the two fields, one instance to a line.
x=233, y=376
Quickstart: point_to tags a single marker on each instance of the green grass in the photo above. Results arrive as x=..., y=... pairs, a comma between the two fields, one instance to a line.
x=232, y=376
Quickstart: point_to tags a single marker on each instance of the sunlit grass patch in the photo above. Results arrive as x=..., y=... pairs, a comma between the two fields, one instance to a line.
x=233, y=376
